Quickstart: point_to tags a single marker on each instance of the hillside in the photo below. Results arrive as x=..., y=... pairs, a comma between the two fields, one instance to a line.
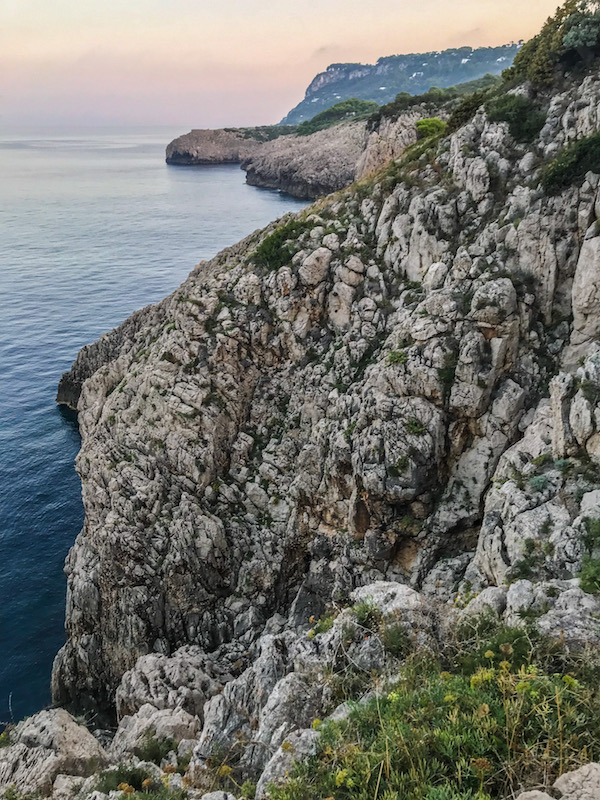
x=414, y=73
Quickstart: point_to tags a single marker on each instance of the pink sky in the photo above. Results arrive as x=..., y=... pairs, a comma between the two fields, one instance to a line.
x=194, y=63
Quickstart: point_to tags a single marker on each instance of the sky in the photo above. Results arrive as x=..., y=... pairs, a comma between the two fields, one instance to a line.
x=214, y=63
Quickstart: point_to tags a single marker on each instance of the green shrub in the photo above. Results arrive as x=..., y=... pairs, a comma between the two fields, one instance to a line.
x=483, y=733
x=415, y=427
x=591, y=538
x=397, y=357
x=572, y=163
x=589, y=577
x=466, y=110
x=538, y=483
x=325, y=623
x=110, y=780
x=524, y=120
x=5, y=738
x=352, y=109
x=430, y=126
x=582, y=30
x=367, y=614
x=395, y=639
x=155, y=750
x=275, y=250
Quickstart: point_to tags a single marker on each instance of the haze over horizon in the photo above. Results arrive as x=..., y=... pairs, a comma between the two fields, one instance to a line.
x=191, y=64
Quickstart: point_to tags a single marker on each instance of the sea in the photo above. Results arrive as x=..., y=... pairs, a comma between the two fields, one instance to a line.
x=93, y=225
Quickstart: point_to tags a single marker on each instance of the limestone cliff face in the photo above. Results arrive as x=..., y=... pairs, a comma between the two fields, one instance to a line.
x=266, y=440
x=303, y=166
x=220, y=146
x=309, y=166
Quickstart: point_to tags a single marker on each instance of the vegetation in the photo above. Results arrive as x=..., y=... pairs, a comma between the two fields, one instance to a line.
x=341, y=112
x=524, y=120
x=572, y=163
x=574, y=28
x=492, y=714
x=431, y=126
x=275, y=249
x=155, y=750
x=264, y=133
x=434, y=98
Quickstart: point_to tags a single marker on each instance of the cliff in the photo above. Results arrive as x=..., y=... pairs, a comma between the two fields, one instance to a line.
x=355, y=457
x=222, y=145
x=309, y=166
x=414, y=73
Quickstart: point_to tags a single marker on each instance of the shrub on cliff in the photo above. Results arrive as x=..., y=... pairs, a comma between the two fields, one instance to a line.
x=524, y=120
x=572, y=164
x=274, y=250
x=431, y=126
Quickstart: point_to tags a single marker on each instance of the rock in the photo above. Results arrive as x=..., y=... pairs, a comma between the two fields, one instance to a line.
x=299, y=746
x=220, y=146
x=492, y=599
x=184, y=680
x=315, y=267
x=308, y=166
x=218, y=796
x=581, y=784
x=133, y=731
x=45, y=746
x=355, y=409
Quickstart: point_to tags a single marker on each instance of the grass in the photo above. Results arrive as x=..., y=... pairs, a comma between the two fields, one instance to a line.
x=488, y=716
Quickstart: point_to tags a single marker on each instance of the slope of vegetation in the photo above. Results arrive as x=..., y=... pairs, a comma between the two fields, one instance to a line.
x=488, y=717
x=434, y=99
x=345, y=111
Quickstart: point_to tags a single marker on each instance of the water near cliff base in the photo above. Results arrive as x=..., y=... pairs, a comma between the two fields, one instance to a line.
x=93, y=227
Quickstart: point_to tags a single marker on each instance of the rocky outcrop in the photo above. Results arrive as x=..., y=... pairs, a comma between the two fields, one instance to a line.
x=44, y=747
x=221, y=146
x=303, y=166
x=308, y=166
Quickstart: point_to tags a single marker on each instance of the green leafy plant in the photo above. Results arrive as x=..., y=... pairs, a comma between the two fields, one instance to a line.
x=155, y=750
x=589, y=577
x=415, y=427
x=275, y=250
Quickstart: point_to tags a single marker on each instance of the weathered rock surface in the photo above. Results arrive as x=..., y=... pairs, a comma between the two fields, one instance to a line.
x=581, y=784
x=220, y=146
x=264, y=442
x=308, y=166
x=45, y=746
x=388, y=421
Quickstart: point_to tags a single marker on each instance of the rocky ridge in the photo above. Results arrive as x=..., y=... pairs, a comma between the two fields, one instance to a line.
x=393, y=397
x=303, y=166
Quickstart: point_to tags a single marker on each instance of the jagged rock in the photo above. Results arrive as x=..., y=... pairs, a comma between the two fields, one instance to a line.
x=133, y=731
x=184, y=680
x=582, y=784
x=299, y=746
x=45, y=746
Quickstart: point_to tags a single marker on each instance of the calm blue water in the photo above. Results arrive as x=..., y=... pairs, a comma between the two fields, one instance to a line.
x=91, y=228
